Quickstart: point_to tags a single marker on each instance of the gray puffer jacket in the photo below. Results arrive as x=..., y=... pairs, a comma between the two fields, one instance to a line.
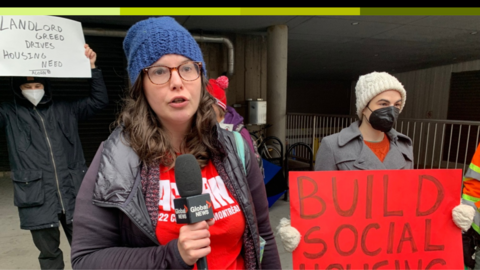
x=346, y=151
x=114, y=231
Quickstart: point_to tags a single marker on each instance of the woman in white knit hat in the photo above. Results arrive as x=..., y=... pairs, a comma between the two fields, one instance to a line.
x=380, y=99
x=370, y=143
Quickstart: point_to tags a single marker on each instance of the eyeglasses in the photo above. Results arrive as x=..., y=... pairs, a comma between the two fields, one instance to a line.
x=189, y=71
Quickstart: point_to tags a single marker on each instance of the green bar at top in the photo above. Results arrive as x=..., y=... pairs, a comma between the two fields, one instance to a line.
x=60, y=11
x=180, y=11
x=300, y=11
x=420, y=11
x=241, y=11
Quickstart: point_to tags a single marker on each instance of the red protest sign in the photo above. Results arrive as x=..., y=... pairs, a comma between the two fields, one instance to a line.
x=376, y=219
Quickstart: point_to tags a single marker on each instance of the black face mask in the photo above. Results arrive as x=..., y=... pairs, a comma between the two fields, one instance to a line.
x=384, y=118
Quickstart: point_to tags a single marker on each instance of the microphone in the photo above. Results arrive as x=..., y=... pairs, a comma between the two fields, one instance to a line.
x=193, y=206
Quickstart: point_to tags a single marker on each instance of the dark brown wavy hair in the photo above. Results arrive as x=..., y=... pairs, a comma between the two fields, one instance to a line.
x=145, y=134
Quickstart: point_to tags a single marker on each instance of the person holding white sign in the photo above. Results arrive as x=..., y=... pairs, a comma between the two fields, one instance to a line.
x=46, y=156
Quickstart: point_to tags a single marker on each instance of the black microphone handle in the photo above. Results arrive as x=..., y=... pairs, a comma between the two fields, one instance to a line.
x=202, y=263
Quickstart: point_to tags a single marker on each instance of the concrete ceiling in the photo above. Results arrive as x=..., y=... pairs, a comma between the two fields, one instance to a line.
x=344, y=47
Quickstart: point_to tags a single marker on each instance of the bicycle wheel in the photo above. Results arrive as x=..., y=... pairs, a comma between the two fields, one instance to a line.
x=262, y=149
x=275, y=143
x=272, y=152
x=254, y=136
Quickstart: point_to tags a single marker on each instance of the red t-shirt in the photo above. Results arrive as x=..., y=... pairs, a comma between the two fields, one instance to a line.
x=226, y=235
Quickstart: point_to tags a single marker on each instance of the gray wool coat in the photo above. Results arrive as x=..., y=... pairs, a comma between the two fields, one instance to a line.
x=346, y=151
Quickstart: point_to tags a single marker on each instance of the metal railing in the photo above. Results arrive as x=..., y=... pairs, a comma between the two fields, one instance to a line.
x=436, y=143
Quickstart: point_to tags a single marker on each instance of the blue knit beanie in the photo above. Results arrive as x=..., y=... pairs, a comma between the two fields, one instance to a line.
x=150, y=39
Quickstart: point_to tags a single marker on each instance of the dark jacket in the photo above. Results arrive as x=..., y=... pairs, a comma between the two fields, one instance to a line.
x=346, y=151
x=113, y=230
x=45, y=152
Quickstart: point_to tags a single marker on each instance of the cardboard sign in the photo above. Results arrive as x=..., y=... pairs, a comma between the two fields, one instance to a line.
x=399, y=219
x=42, y=46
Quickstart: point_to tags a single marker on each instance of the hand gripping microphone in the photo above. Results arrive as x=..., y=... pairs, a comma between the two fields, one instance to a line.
x=193, y=206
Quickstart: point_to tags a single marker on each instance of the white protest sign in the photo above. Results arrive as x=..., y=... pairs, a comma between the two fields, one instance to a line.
x=42, y=46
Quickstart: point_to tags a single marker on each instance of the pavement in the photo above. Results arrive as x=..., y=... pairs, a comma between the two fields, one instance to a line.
x=17, y=250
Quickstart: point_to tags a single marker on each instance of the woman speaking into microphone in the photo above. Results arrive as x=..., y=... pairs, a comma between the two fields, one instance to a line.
x=124, y=217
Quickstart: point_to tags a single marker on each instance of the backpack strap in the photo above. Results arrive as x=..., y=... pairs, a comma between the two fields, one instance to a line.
x=241, y=153
x=240, y=148
x=239, y=127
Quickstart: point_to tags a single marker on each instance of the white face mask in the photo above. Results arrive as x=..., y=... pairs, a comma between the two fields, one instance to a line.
x=34, y=95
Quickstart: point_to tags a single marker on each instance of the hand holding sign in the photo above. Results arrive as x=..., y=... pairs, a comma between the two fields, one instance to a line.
x=289, y=235
x=91, y=55
x=463, y=216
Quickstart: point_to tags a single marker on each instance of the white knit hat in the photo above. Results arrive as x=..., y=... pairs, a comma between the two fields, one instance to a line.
x=372, y=84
